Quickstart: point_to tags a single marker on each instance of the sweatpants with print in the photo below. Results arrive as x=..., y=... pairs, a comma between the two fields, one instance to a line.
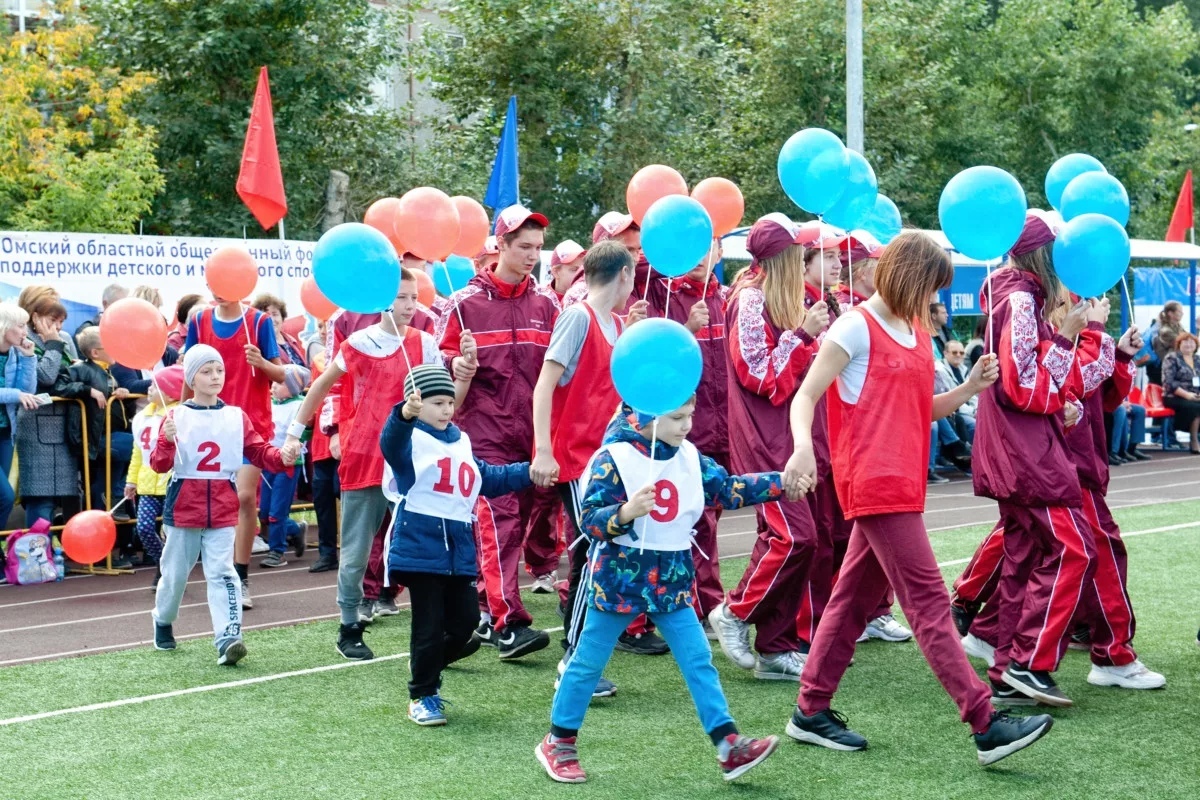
x=214, y=548
x=768, y=595
x=149, y=509
x=444, y=614
x=363, y=511
x=543, y=536
x=892, y=549
x=1049, y=560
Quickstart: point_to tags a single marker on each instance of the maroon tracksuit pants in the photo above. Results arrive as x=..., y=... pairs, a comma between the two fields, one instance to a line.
x=1107, y=609
x=979, y=580
x=373, y=587
x=543, y=538
x=892, y=549
x=500, y=537
x=709, y=591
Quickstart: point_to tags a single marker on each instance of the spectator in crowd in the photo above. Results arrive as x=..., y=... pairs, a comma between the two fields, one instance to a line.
x=1128, y=431
x=183, y=315
x=18, y=379
x=975, y=347
x=33, y=296
x=942, y=334
x=487, y=258
x=111, y=294
x=950, y=373
x=290, y=349
x=149, y=294
x=1181, y=386
x=1162, y=335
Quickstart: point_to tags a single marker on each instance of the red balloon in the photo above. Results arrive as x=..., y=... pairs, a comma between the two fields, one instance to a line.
x=473, y=226
x=427, y=223
x=314, y=302
x=381, y=216
x=231, y=273
x=723, y=201
x=133, y=333
x=90, y=535
x=426, y=294
x=649, y=184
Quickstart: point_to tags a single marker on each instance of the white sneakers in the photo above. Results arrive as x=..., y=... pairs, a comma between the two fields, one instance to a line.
x=543, y=584
x=978, y=648
x=733, y=636
x=886, y=629
x=1134, y=675
x=260, y=546
x=779, y=666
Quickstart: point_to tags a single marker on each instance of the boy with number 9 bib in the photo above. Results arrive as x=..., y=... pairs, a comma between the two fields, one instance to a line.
x=204, y=441
x=644, y=564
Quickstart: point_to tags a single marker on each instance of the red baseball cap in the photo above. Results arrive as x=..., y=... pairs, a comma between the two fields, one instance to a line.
x=862, y=244
x=815, y=232
x=611, y=225
x=566, y=252
x=515, y=216
x=490, y=248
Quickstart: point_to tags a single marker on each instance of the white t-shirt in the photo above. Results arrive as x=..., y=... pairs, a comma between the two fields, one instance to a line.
x=850, y=332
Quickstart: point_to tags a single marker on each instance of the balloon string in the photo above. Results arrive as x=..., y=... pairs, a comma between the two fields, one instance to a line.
x=653, y=445
x=392, y=314
x=990, y=326
x=1128, y=300
x=667, y=305
x=821, y=247
x=646, y=290
x=708, y=271
x=850, y=272
x=246, y=328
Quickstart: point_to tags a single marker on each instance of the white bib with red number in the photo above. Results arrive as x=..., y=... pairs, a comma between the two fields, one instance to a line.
x=678, y=492
x=208, y=444
x=447, y=479
x=145, y=434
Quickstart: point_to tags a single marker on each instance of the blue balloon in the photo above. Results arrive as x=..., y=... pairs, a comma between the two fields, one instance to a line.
x=656, y=366
x=1091, y=254
x=1065, y=170
x=884, y=220
x=858, y=199
x=982, y=212
x=356, y=267
x=676, y=234
x=813, y=168
x=452, y=274
x=1095, y=193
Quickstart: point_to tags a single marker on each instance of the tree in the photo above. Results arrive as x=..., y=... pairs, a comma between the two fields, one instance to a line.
x=71, y=157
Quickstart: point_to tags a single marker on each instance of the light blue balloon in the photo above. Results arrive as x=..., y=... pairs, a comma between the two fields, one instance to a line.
x=1091, y=253
x=884, y=221
x=656, y=366
x=676, y=234
x=982, y=212
x=858, y=198
x=1065, y=170
x=356, y=267
x=452, y=274
x=813, y=168
x=1095, y=193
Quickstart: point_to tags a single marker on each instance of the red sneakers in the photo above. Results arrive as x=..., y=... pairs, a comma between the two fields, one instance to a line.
x=561, y=760
x=745, y=754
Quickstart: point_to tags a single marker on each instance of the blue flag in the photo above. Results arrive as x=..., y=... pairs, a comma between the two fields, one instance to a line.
x=502, y=186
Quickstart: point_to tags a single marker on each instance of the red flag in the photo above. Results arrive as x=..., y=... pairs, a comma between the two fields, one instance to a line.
x=260, y=181
x=1182, y=219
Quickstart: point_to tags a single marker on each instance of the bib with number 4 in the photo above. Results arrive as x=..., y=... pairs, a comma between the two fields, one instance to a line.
x=678, y=495
x=208, y=444
x=145, y=434
x=447, y=479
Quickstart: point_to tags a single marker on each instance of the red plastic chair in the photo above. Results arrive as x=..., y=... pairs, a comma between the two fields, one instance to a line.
x=1152, y=399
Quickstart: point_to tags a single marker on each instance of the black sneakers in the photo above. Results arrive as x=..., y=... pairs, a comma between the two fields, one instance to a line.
x=517, y=641
x=963, y=615
x=324, y=564
x=486, y=634
x=1004, y=695
x=350, y=643
x=299, y=540
x=826, y=728
x=231, y=653
x=1006, y=735
x=164, y=637
x=1038, y=685
x=642, y=644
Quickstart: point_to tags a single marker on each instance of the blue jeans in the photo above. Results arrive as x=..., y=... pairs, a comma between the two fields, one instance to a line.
x=275, y=505
x=599, y=636
x=8, y=497
x=1123, y=421
x=38, y=508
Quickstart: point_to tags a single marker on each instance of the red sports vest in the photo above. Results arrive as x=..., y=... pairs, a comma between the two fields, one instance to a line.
x=880, y=445
x=582, y=409
x=246, y=388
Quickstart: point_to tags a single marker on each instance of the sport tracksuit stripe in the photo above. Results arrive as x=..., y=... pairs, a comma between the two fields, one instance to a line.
x=1110, y=591
x=1067, y=591
x=772, y=562
x=978, y=581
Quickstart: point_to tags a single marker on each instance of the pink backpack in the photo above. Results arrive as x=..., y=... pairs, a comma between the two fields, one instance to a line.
x=31, y=556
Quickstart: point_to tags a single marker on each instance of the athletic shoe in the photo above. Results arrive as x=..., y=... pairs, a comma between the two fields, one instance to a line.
x=862, y=637
x=122, y=561
x=164, y=637
x=366, y=611
x=324, y=564
x=978, y=648
x=350, y=643
x=963, y=615
x=826, y=728
x=642, y=644
x=934, y=477
x=1135, y=454
x=1006, y=735
x=604, y=687
x=1081, y=638
x=745, y=754
x=1133, y=675
x=733, y=636
x=260, y=546
x=385, y=607
x=561, y=760
x=247, y=600
x=273, y=559
x=231, y=653
x=785, y=666
x=543, y=584
x=709, y=633
x=428, y=711
x=1005, y=695
x=486, y=634
x=887, y=629
x=1036, y=684
x=521, y=640
x=300, y=539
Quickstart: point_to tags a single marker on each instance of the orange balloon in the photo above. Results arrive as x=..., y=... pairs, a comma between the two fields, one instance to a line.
x=426, y=223
x=314, y=302
x=426, y=294
x=90, y=535
x=231, y=273
x=381, y=216
x=723, y=201
x=133, y=333
x=473, y=226
x=649, y=184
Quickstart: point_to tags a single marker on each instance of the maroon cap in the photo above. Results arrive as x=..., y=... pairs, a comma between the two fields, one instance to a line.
x=859, y=246
x=771, y=235
x=815, y=233
x=1041, y=228
x=611, y=225
x=514, y=217
x=566, y=252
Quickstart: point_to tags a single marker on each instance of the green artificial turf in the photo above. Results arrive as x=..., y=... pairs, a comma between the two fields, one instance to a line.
x=343, y=734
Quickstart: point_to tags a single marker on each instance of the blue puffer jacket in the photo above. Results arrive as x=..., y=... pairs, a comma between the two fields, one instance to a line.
x=421, y=543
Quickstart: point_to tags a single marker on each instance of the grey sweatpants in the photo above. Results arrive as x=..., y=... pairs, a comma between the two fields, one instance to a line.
x=214, y=546
x=362, y=514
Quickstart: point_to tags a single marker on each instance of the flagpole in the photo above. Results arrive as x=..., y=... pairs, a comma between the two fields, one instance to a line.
x=282, y=235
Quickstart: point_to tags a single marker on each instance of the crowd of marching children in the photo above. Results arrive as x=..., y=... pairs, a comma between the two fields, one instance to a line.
x=485, y=431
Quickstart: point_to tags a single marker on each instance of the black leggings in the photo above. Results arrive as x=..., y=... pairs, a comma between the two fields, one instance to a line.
x=445, y=610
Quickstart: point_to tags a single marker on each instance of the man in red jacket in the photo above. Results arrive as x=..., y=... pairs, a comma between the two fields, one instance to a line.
x=511, y=317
